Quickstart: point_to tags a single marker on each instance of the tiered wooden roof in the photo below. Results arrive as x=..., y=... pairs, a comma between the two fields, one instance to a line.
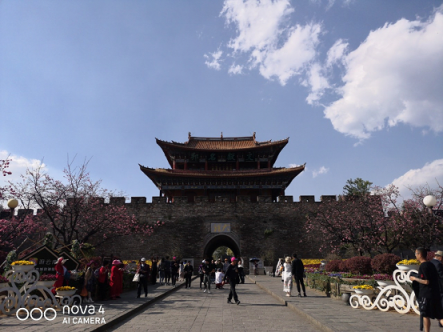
x=160, y=175
x=222, y=163
x=222, y=144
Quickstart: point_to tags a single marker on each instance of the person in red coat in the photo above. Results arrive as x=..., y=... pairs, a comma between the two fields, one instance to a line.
x=60, y=273
x=116, y=280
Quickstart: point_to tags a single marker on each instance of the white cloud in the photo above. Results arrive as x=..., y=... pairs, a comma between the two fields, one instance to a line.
x=17, y=167
x=321, y=170
x=429, y=174
x=270, y=44
x=235, y=69
x=336, y=52
x=318, y=83
x=213, y=60
x=295, y=54
x=258, y=22
x=395, y=76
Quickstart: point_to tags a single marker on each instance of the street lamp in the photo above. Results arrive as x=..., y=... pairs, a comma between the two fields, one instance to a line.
x=12, y=204
x=430, y=201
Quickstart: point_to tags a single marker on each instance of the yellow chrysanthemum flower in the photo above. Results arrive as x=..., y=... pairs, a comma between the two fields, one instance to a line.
x=65, y=288
x=363, y=287
x=409, y=262
x=22, y=263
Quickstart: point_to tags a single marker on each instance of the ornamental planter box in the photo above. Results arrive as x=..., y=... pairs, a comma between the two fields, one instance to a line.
x=22, y=268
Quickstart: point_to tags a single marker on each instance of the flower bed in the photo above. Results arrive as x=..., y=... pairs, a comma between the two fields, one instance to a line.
x=47, y=277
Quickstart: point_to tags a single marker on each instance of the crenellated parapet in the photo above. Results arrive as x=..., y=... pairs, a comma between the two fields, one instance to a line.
x=137, y=202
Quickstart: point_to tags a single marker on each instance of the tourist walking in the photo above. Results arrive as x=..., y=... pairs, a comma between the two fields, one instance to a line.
x=161, y=271
x=103, y=281
x=89, y=282
x=278, y=269
x=200, y=273
x=153, y=272
x=232, y=275
x=60, y=274
x=226, y=265
x=143, y=272
x=167, y=270
x=116, y=280
x=241, y=270
x=174, y=272
x=188, y=270
x=428, y=297
x=181, y=271
x=298, y=272
x=287, y=276
x=207, y=268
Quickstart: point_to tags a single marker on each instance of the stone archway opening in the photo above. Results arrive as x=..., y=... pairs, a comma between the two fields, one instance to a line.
x=221, y=241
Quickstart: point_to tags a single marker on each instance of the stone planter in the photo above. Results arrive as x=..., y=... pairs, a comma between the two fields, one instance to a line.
x=408, y=267
x=364, y=291
x=66, y=292
x=47, y=283
x=22, y=268
x=385, y=283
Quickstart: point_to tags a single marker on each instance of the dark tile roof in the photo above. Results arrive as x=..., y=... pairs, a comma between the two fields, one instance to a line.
x=222, y=143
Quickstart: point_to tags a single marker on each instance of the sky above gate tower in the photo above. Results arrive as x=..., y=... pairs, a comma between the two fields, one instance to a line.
x=357, y=86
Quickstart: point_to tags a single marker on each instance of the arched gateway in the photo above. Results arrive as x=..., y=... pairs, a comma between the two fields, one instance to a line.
x=218, y=240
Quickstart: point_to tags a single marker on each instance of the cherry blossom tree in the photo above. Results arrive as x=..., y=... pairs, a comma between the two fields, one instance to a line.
x=375, y=223
x=14, y=229
x=425, y=229
x=76, y=208
x=352, y=222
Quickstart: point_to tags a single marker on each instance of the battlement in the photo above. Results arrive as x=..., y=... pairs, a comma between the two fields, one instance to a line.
x=141, y=201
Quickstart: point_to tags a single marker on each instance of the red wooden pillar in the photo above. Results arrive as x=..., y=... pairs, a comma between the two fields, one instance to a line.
x=206, y=165
x=173, y=164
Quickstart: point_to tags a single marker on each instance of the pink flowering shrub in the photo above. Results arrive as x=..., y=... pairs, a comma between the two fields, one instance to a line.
x=359, y=265
x=333, y=266
x=343, y=266
x=385, y=263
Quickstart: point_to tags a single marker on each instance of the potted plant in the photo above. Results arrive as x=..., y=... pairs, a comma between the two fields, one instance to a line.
x=408, y=264
x=66, y=291
x=384, y=280
x=363, y=289
x=22, y=266
x=46, y=280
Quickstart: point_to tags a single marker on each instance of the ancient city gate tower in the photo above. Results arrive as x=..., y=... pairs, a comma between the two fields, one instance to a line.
x=220, y=191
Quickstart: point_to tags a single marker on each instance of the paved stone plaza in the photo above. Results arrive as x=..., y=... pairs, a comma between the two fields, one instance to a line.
x=263, y=308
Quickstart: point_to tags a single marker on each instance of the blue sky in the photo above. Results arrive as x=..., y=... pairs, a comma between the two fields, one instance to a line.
x=356, y=85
